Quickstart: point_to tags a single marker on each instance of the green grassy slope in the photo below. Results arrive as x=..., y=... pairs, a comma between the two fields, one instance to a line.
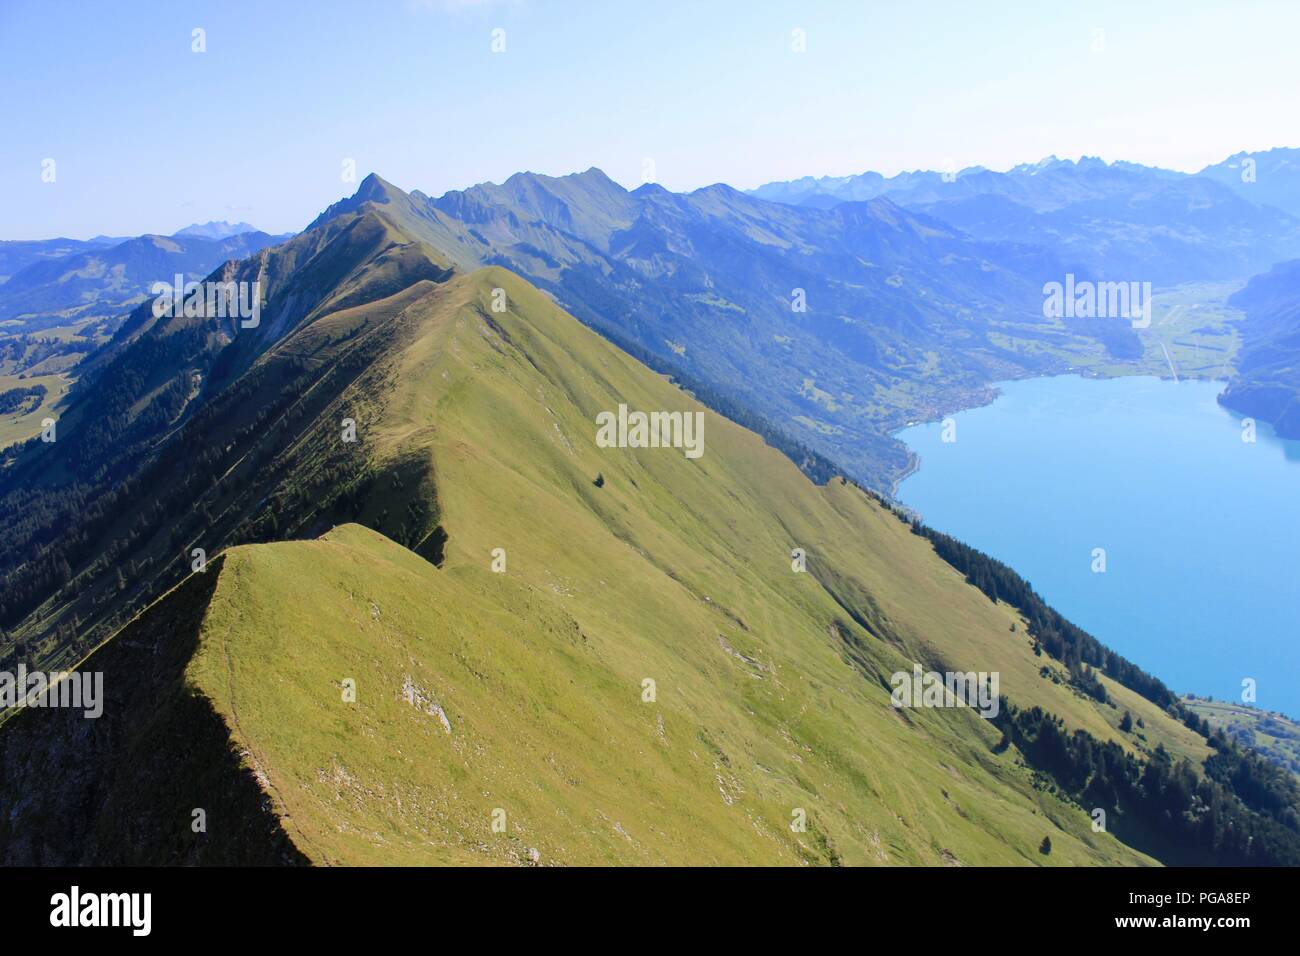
x=192, y=408
x=1274, y=735
x=26, y=421
x=901, y=314
x=771, y=686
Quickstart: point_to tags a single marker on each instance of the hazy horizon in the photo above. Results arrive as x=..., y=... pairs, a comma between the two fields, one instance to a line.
x=256, y=125
x=351, y=188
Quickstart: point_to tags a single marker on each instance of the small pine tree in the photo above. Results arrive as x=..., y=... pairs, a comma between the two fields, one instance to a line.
x=1046, y=846
x=1126, y=725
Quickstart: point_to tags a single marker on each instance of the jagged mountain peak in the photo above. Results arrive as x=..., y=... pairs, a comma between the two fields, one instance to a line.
x=374, y=188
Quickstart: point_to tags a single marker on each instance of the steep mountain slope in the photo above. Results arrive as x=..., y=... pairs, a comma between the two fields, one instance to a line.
x=523, y=691
x=175, y=403
x=835, y=325
x=197, y=450
x=106, y=281
x=72, y=297
x=1267, y=384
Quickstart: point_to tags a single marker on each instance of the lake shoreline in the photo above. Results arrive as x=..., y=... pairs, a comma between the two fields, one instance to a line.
x=1148, y=612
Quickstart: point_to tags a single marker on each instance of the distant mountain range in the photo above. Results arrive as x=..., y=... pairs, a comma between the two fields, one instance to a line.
x=17, y=254
x=1117, y=221
x=60, y=281
x=1267, y=178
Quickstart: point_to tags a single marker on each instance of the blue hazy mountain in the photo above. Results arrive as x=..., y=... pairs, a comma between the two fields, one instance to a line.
x=1267, y=384
x=99, y=279
x=1117, y=221
x=216, y=229
x=1268, y=178
x=18, y=254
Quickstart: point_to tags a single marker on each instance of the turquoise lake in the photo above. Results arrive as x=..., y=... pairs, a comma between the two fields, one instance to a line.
x=1201, y=529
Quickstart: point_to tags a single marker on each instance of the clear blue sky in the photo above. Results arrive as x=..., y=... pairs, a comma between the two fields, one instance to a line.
x=149, y=136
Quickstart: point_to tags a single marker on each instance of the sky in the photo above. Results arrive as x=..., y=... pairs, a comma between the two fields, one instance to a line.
x=148, y=135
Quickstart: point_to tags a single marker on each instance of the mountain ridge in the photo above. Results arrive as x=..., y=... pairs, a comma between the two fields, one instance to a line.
x=480, y=423
x=735, y=291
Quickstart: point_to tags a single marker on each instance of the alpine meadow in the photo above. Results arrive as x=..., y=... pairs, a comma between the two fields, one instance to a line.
x=676, y=507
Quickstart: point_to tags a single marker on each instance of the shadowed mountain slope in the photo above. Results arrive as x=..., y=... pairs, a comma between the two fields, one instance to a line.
x=1267, y=384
